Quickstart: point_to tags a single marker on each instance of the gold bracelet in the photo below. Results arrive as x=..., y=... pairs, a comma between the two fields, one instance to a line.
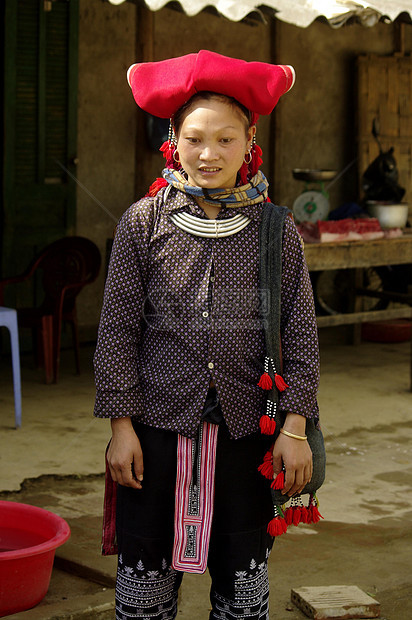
x=302, y=438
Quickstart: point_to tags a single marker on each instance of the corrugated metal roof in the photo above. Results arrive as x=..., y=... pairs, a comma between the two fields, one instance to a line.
x=299, y=12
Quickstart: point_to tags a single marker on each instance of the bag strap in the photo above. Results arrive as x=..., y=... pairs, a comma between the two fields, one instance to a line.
x=271, y=232
x=270, y=278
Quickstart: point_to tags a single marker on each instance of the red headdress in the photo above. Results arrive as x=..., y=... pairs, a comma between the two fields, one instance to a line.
x=161, y=88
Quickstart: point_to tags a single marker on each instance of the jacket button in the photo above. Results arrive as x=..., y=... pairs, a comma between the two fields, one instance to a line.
x=211, y=365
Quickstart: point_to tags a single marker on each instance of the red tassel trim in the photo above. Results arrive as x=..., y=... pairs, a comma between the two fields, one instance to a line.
x=314, y=514
x=304, y=515
x=294, y=515
x=277, y=526
x=156, y=186
x=289, y=516
x=280, y=383
x=269, y=455
x=266, y=469
x=265, y=382
x=279, y=481
x=297, y=515
x=267, y=425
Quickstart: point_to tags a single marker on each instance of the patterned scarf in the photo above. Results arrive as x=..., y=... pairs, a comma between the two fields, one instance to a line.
x=250, y=194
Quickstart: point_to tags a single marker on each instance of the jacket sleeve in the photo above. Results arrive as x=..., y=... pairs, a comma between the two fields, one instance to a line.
x=299, y=334
x=121, y=321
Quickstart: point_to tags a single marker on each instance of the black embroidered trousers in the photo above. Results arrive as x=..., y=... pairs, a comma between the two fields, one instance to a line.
x=147, y=585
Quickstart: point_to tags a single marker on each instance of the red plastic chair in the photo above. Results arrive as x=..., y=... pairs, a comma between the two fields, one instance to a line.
x=61, y=271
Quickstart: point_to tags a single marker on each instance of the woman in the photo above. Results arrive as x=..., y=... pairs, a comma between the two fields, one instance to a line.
x=181, y=349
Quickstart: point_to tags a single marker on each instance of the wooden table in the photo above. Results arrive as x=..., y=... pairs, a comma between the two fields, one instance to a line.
x=358, y=255
x=353, y=254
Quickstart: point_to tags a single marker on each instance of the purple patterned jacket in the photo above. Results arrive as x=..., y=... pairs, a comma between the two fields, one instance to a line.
x=181, y=310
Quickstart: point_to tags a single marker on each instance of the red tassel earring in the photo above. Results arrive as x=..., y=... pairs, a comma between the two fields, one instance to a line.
x=244, y=169
x=251, y=163
x=168, y=150
x=256, y=160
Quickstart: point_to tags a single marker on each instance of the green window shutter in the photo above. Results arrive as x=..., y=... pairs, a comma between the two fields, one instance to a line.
x=56, y=92
x=26, y=80
x=41, y=91
x=40, y=104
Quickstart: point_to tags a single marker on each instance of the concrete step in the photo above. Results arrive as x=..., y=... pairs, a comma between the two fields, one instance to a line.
x=81, y=554
x=99, y=606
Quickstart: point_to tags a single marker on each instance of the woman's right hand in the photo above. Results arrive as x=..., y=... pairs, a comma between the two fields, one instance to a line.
x=124, y=455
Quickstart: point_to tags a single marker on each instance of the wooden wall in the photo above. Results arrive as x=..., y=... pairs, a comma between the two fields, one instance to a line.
x=317, y=125
x=314, y=126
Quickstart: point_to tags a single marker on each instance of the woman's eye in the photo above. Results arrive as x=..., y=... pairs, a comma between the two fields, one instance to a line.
x=192, y=140
x=226, y=140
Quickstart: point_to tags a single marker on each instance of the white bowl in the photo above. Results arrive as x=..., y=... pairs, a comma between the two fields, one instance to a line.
x=389, y=215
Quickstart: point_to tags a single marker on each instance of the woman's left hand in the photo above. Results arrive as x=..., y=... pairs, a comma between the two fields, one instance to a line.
x=294, y=454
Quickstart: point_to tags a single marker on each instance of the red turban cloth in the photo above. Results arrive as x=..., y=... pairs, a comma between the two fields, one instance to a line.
x=161, y=88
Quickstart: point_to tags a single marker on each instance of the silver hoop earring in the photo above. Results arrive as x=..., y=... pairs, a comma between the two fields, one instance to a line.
x=174, y=157
x=247, y=161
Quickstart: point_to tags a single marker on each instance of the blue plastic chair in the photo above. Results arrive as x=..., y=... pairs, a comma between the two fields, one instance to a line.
x=8, y=318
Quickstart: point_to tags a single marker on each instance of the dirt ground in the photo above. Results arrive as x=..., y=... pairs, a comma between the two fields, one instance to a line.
x=366, y=501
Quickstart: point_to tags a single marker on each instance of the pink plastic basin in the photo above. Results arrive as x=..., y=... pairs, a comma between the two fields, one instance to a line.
x=29, y=537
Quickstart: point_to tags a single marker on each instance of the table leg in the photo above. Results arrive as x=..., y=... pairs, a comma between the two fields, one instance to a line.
x=357, y=305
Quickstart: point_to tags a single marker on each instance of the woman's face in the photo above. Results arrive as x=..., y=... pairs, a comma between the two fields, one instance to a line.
x=212, y=143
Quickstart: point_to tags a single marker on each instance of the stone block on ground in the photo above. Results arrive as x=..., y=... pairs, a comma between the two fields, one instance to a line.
x=335, y=602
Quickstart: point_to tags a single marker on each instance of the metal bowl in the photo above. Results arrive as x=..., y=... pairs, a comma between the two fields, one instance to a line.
x=389, y=215
x=306, y=174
